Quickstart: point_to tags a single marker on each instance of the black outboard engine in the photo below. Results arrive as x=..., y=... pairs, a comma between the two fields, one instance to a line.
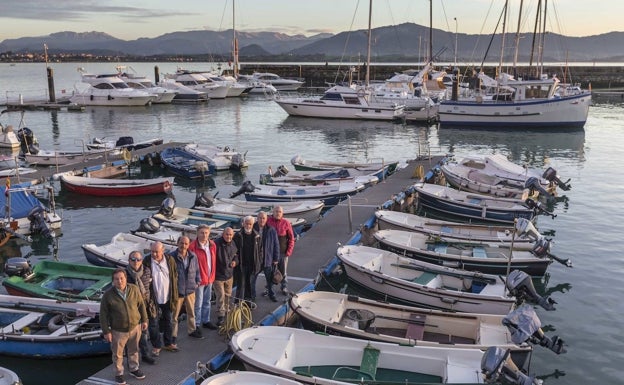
x=246, y=187
x=538, y=208
x=18, y=266
x=28, y=142
x=550, y=174
x=149, y=225
x=521, y=286
x=498, y=367
x=38, y=224
x=167, y=206
x=204, y=200
x=533, y=184
x=125, y=141
x=525, y=326
x=541, y=247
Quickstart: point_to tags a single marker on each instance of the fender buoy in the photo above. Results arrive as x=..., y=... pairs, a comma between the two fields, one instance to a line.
x=55, y=323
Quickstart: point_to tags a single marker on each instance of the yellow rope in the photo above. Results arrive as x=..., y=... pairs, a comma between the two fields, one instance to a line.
x=238, y=318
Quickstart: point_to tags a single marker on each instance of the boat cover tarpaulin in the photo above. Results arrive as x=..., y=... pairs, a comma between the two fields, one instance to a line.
x=21, y=201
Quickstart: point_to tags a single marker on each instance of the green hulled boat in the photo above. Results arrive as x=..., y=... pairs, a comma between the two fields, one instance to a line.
x=57, y=280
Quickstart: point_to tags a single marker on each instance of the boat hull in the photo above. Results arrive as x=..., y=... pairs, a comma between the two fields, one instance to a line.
x=116, y=187
x=296, y=107
x=568, y=112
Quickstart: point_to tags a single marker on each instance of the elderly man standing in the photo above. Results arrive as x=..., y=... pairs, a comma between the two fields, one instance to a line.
x=270, y=252
x=227, y=259
x=141, y=276
x=286, y=237
x=165, y=292
x=206, y=253
x=249, y=246
x=122, y=318
x=188, y=281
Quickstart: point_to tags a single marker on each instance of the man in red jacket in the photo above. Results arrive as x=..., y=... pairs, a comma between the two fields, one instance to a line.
x=206, y=253
x=286, y=237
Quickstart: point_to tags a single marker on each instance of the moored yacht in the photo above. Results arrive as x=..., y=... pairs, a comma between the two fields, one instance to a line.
x=108, y=90
x=278, y=82
x=198, y=82
x=138, y=82
x=341, y=102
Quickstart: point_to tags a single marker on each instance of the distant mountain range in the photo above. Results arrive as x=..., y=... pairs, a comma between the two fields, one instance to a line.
x=391, y=43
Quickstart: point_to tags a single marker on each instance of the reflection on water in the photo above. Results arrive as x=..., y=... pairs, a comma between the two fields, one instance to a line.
x=523, y=147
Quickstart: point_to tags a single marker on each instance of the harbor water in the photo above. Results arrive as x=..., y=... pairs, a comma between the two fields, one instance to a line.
x=588, y=227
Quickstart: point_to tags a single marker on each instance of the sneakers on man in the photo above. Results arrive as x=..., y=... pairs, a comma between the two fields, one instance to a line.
x=119, y=380
x=171, y=348
x=196, y=334
x=138, y=374
x=285, y=290
x=265, y=293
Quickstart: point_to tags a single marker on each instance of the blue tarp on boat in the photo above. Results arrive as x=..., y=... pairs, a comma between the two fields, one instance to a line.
x=21, y=201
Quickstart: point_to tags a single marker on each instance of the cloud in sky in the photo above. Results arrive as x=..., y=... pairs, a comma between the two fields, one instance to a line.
x=71, y=10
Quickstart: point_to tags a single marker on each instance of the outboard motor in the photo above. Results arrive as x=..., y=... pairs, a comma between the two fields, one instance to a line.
x=521, y=286
x=18, y=266
x=125, y=141
x=550, y=174
x=149, y=225
x=246, y=187
x=28, y=142
x=525, y=326
x=166, y=207
x=498, y=367
x=38, y=224
x=533, y=184
x=281, y=171
x=538, y=208
x=204, y=200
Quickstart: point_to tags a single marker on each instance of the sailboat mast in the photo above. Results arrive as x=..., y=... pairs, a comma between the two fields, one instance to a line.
x=234, y=40
x=368, y=54
x=430, y=31
x=515, y=62
x=500, y=64
x=543, y=40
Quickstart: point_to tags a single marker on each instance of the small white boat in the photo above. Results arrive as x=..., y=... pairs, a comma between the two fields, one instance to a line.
x=495, y=175
x=424, y=284
x=240, y=377
x=302, y=164
x=282, y=176
x=331, y=194
x=152, y=230
x=314, y=358
x=223, y=158
x=310, y=211
x=9, y=377
x=54, y=158
x=116, y=252
x=274, y=80
x=522, y=232
x=49, y=328
x=8, y=138
x=485, y=257
x=358, y=317
x=475, y=207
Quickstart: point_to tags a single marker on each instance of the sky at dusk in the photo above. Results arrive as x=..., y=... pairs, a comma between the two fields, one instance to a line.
x=132, y=19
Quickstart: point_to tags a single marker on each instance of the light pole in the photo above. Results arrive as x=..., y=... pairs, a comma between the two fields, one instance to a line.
x=455, y=41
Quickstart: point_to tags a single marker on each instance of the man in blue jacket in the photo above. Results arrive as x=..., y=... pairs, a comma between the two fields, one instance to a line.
x=188, y=281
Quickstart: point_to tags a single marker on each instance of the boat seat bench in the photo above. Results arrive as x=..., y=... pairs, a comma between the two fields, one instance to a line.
x=416, y=327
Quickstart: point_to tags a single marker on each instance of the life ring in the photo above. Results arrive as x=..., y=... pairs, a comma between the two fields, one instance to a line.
x=55, y=323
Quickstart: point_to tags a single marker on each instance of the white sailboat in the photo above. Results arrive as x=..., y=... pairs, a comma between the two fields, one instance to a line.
x=517, y=104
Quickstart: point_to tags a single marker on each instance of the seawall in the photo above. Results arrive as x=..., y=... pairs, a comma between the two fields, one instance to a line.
x=315, y=75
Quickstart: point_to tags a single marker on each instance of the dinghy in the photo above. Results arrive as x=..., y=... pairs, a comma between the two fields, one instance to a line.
x=309, y=210
x=314, y=358
x=46, y=328
x=485, y=257
x=358, y=317
x=116, y=252
x=62, y=281
x=105, y=187
x=406, y=280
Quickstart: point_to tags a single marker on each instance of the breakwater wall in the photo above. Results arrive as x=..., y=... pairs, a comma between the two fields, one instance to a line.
x=315, y=75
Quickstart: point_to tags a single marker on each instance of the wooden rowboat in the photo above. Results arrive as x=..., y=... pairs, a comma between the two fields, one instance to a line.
x=116, y=187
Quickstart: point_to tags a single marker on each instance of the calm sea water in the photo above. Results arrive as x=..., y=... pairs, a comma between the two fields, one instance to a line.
x=588, y=227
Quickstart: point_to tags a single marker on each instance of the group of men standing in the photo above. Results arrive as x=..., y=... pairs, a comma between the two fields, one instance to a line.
x=147, y=296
